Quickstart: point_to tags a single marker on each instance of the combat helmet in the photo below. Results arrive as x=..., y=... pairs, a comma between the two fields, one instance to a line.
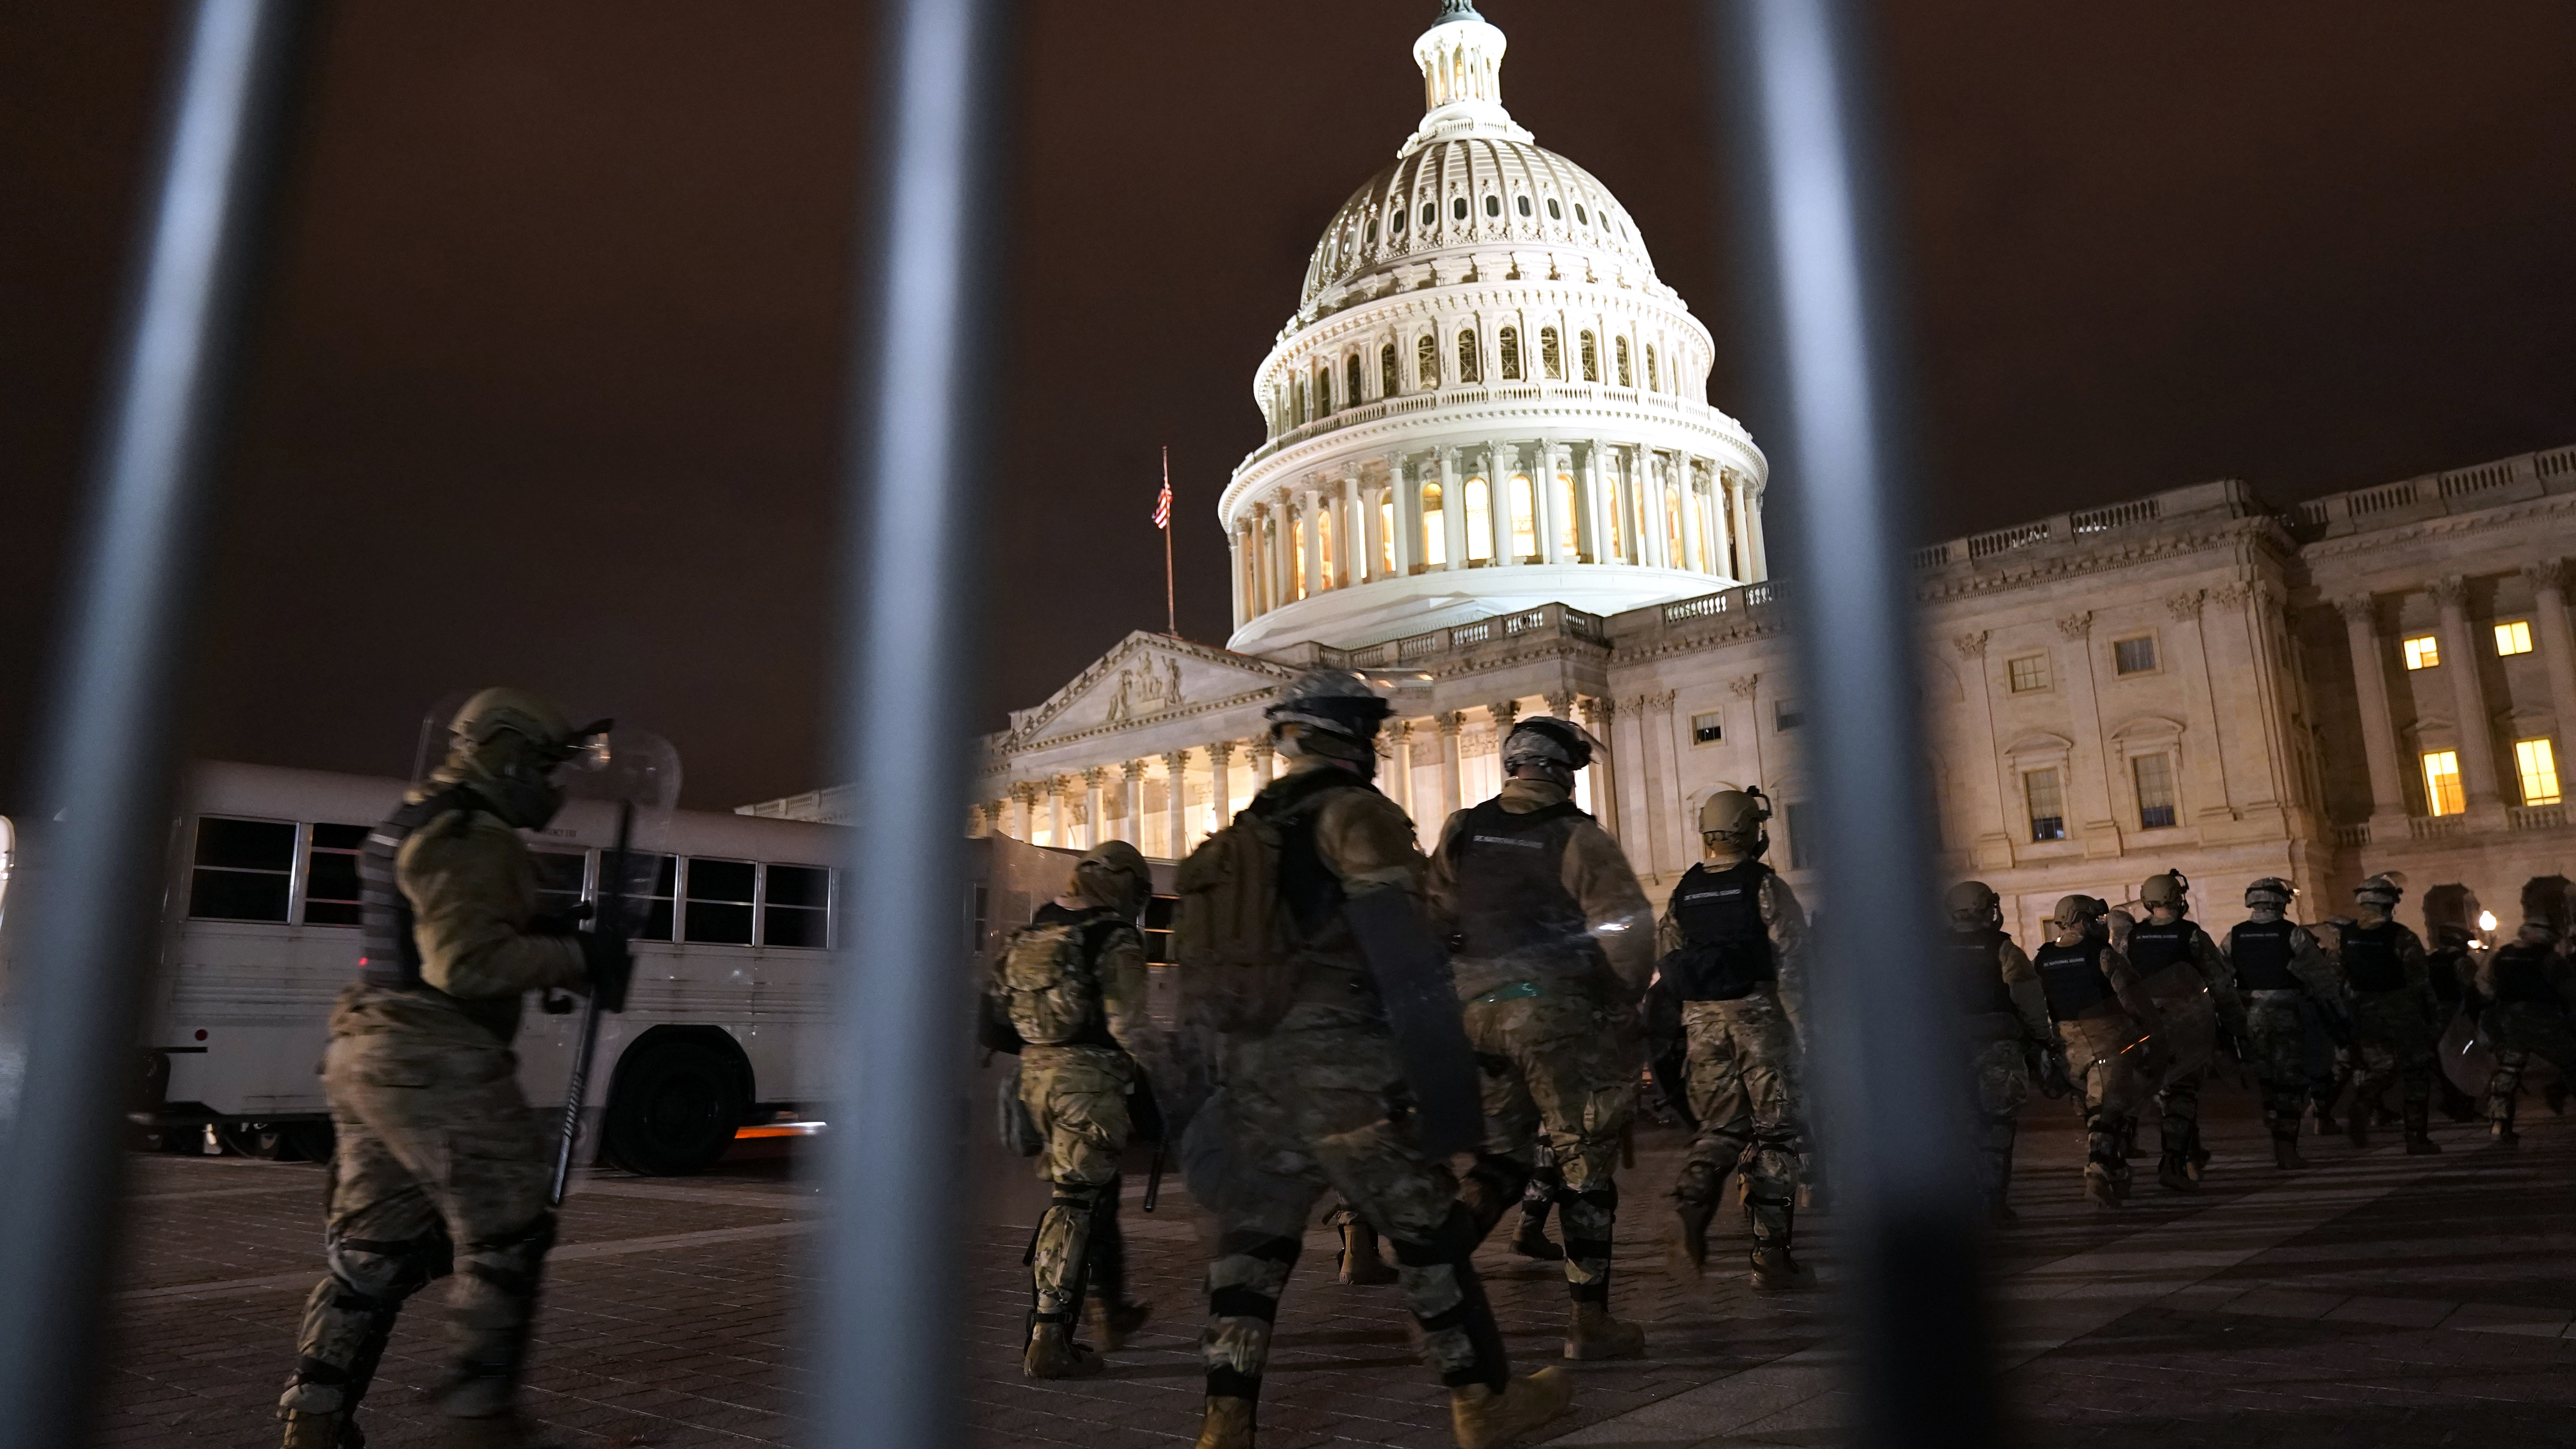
x=2079, y=911
x=1543, y=739
x=1973, y=906
x=2384, y=890
x=508, y=743
x=2271, y=891
x=2170, y=889
x=1113, y=874
x=1731, y=821
x=1330, y=712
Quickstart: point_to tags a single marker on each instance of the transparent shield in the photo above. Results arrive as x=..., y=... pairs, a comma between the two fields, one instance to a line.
x=622, y=787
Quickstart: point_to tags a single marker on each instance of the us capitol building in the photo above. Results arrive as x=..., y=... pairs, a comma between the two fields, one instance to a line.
x=1490, y=484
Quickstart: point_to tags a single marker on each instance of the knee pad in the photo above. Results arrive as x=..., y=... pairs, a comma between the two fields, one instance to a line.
x=1604, y=1198
x=375, y=1276
x=1079, y=1196
x=509, y=1262
x=1453, y=1243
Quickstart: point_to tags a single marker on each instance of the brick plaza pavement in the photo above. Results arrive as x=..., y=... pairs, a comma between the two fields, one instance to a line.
x=2377, y=1299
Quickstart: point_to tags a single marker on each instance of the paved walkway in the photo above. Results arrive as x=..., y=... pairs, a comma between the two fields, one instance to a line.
x=2378, y=1299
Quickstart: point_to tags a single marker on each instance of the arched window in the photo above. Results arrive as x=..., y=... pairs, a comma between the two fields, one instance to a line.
x=1625, y=377
x=1394, y=221
x=1324, y=571
x=1480, y=521
x=1297, y=557
x=1551, y=358
x=1509, y=342
x=1524, y=519
x=1458, y=209
x=1426, y=361
x=1654, y=378
x=1386, y=535
x=1673, y=535
x=1467, y=355
x=1370, y=236
x=1522, y=202
x=1387, y=384
x=1569, y=538
x=1351, y=375
x=1435, y=528
x=1323, y=389
x=1591, y=358
x=1554, y=211
x=1300, y=413
x=1493, y=204
x=1581, y=215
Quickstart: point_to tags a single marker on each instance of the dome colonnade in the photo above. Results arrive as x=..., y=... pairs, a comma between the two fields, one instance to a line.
x=1483, y=373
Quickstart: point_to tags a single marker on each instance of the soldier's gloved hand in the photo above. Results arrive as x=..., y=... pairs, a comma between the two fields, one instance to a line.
x=608, y=967
x=559, y=923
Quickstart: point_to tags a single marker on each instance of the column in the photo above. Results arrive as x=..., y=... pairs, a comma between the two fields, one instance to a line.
x=1596, y=519
x=1372, y=532
x=1598, y=716
x=1310, y=562
x=1132, y=828
x=1176, y=797
x=1452, y=785
x=1694, y=540
x=1347, y=535
x=2378, y=730
x=1059, y=825
x=1453, y=509
x=1095, y=814
x=1264, y=761
x=1399, y=756
x=1220, y=785
x=1234, y=577
x=1719, y=521
x=1283, y=548
x=1550, y=521
x=1024, y=812
x=2557, y=651
x=2469, y=700
x=1757, y=552
x=1501, y=461
x=1408, y=515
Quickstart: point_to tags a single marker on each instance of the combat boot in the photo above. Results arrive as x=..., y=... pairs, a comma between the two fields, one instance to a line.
x=1113, y=1326
x=2325, y=1121
x=1361, y=1266
x=1774, y=1271
x=1530, y=1240
x=1053, y=1354
x=2419, y=1130
x=2285, y=1154
x=2173, y=1174
x=1228, y=1424
x=1590, y=1333
x=2100, y=1191
x=1483, y=1418
x=1686, y=1256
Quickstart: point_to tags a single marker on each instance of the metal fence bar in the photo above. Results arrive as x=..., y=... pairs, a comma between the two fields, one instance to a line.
x=90, y=896
x=1814, y=249
x=886, y=1361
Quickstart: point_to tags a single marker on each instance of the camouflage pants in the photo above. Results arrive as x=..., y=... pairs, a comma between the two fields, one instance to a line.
x=2103, y=1061
x=1557, y=1072
x=1077, y=1095
x=2002, y=1086
x=2275, y=1047
x=1303, y=1111
x=1740, y=1061
x=441, y=1165
x=2392, y=1042
x=2520, y=1031
x=2188, y=1034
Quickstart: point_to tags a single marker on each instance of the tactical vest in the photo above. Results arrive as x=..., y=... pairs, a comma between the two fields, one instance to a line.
x=2370, y=960
x=389, y=955
x=2072, y=979
x=1980, y=969
x=2152, y=948
x=1307, y=886
x=2519, y=979
x=1510, y=872
x=2261, y=952
x=1726, y=948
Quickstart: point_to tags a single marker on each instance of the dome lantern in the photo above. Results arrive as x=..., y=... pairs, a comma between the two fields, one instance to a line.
x=1461, y=56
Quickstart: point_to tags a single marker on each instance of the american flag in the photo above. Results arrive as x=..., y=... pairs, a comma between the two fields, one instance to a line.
x=1163, y=507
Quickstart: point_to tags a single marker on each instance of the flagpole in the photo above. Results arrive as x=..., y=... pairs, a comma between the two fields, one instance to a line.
x=1171, y=612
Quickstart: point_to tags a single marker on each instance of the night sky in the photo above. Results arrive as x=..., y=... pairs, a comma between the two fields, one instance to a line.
x=547, y=386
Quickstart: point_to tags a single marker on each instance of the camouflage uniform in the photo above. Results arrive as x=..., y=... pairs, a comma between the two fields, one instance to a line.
x=2007, y=1024
x=1556, y=949
x=1737, y=975
x=2278, y=966
x=1316, y=1101
x=441, y=1164
x=2102, y=1018
x=2533, y=991
x=2181, y=971
x=2393, y=1012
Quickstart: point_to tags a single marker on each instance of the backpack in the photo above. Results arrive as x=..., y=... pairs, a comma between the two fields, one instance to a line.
x=1045, y=983
x=1230, y=933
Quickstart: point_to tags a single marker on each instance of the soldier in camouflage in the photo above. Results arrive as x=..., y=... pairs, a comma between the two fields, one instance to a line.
x=441, y=1166
x=2278, y=965
x=1552, y=945
x=2533, y=991
x=2181, y=971
x=1734, y=948
x=2009, y=1038
x=1316, y=1096
x=2106, y=1023
x=1083, y=955
x=2394, y=1009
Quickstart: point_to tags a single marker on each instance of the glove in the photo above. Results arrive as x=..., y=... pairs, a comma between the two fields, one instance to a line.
x=559, y=923
x=608, y=966
x=2054, y=1082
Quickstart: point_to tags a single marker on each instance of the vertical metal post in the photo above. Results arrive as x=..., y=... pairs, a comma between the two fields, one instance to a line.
x=90, y=895
x=886, y=1363
x=1814, y=243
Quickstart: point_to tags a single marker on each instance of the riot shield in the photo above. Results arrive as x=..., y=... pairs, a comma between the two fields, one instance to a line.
x=2464, y=1055
x=1668, y=1049
x=1421, y=998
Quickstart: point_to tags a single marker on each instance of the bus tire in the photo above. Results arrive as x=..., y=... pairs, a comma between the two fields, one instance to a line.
x=674, y=1111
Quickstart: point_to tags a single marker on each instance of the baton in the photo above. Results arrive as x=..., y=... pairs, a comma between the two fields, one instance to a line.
x=612, y=924
x=1154, y=1179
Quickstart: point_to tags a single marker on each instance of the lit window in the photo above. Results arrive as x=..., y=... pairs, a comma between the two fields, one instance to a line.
x=2514, y=638
x=1297, y=556
x=1569, y=527
x=1467, y=355
x=1426, y=360
x=1386, y=537
x=1591, y=359
x=1581, y=215
x=1435, y=531
x=2154, y=777
x=2442, y=782
x=1493, y=204
x=1551, y=357
x=2047, y=800
x=1624, y=374
x=1458, y=208
x=1387, y=383
x=2422, y=652
x=2028, y=673
x=1508, y=342
x=1787, y=715
x=2134, y=656
x=1324, y=547
x=1554, y=212
x=1524, y=519
x=2538, y=766
x=1673, y=535
x=1709, y=728
x=1480, y=521
x=1523, y=203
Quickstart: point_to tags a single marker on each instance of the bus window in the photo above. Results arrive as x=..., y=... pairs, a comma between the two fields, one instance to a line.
x=720, y=896
x=560, y=874
x=797, y=907
x=243, y=869
x=651, y=914
x=1158, y=929
x=331, y=875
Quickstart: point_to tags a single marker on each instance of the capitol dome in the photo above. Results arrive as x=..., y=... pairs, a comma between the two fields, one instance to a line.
x=1486, y=399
